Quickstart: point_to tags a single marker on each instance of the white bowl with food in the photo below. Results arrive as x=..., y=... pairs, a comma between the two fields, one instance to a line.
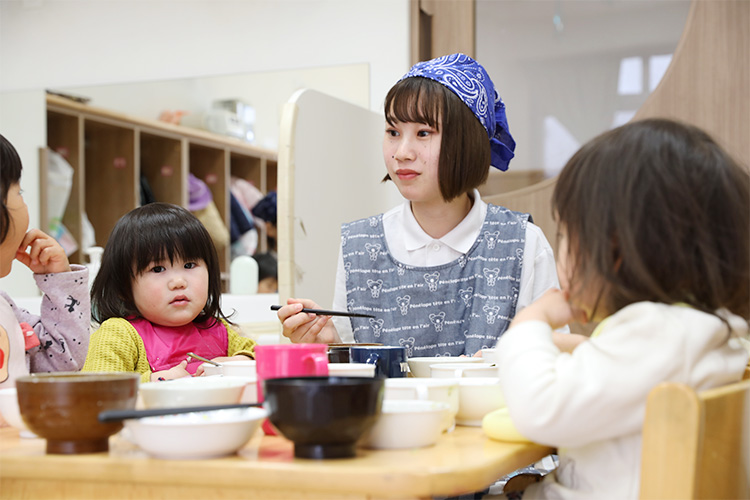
x=197, y=435
x=407, y=424
x=194, y=391
x=420, y=367
x=11, y=413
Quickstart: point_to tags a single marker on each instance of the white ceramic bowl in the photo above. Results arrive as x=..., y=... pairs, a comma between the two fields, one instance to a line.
x=407, y=424
x=458, y=370
x=477, y=396
x=238, y=368
x=420, y=367
x=196, y=435
x=426, y=389
x=351, y=369
x=193, y=391
x=210, y=370
x=11, y=413
x=250, y=392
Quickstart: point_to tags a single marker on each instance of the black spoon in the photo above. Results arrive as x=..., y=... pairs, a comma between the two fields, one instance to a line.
x=117, y=415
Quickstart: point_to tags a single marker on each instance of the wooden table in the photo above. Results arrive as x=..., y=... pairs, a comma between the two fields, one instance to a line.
x=462, y=461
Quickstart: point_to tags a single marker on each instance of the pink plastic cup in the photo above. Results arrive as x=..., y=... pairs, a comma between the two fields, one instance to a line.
x=288, y=360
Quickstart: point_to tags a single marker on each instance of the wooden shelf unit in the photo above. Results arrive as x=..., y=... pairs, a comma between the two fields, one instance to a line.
x=110, y=151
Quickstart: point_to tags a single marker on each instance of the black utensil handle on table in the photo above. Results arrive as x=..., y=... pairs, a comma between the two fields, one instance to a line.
x=117, y=415
x=325, y=312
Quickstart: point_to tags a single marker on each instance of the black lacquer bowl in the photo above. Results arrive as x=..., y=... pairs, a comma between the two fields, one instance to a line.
x=323, y=416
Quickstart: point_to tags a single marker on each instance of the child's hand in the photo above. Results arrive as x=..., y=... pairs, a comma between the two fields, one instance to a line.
x=44, y=254
x=306, y=328
x=178, y=371
x=552, y=308
x=567, y=342
x=221, y=359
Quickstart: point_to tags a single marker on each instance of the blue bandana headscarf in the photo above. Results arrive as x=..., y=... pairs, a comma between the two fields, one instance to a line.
x=466, y=78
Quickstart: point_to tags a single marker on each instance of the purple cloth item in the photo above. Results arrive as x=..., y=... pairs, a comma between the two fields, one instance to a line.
x=199, y=196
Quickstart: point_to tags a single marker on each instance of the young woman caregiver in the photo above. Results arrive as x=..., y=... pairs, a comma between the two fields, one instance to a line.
x=443, y=273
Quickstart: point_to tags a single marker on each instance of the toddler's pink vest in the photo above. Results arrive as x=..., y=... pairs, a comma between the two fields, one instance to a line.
x=167, y=346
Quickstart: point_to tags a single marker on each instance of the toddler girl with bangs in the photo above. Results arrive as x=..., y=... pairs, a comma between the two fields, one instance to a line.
x=157, y=296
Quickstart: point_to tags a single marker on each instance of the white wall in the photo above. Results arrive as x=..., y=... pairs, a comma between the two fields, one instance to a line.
x=77, y=43
x=66, y=44
x=568, y=70
x=73, y=43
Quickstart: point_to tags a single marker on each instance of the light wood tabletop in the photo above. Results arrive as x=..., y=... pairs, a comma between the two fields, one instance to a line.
x=462, y=461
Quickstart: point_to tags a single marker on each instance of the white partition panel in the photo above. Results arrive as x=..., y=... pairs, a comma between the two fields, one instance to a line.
x=330, y=171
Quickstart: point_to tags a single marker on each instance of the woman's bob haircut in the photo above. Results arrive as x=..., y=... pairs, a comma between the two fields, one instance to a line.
x=464, y=161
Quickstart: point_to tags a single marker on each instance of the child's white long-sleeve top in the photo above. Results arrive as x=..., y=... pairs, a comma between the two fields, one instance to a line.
x=591, y=403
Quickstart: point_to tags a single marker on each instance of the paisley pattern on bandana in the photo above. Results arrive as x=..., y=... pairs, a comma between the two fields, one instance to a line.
x=466, y=78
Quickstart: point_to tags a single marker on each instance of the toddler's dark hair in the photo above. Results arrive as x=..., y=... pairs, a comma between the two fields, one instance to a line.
x=10, y=173
x=268, y=266
x=464, y=162
x=153, y=232
x=657, y=211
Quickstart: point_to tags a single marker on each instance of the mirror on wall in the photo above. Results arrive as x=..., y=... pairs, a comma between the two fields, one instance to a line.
x=195, y=102
x=568, y=70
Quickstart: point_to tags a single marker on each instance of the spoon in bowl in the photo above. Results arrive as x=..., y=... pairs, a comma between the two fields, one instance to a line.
x=117, y=415
x=205, y=360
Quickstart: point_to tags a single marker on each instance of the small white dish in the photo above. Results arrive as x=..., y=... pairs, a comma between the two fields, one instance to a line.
x=234, y=368
x=11, y=413
x=351, y=369
x=407, y=424
x=478, y=396
x=210, y=370
x=442, y=390
x=459, y=370
x=196, y=435
x=420, y=367
x=193, y=391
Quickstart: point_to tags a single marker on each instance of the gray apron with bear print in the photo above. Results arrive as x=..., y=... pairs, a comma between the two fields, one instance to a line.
x=448, y=310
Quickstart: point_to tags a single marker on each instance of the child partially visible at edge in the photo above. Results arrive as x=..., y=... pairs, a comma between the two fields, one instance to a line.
x=157, y=297
x=654, y=242
x=58, y=340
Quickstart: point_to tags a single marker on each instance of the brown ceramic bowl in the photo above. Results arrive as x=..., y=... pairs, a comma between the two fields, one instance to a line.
x=64, y=407
x=324, y=416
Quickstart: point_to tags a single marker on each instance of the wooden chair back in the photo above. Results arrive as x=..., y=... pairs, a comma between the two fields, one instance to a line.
x=697, y=445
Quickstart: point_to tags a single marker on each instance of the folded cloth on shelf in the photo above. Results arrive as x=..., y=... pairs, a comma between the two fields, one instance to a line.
x=240, y=221
x=248, y=195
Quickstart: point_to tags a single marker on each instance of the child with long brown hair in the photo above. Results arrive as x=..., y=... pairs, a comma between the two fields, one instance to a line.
x=654, y=243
